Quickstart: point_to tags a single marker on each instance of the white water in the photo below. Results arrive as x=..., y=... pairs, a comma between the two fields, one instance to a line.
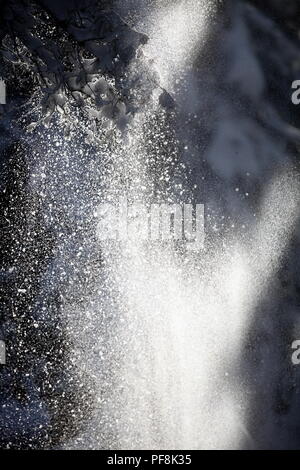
x=164, y=353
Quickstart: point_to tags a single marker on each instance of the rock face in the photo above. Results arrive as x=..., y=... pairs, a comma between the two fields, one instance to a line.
x=76, y=79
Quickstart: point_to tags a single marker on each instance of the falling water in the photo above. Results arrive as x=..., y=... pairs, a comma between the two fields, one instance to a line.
x=163, y=328
x=140, y=343
x=155, y=339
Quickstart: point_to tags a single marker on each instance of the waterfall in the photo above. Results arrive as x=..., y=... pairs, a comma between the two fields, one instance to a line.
x=169, y=347
x=165, y=353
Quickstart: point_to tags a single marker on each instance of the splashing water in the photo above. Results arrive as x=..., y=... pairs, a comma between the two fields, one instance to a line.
x=163, y=330
x=173, y=45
